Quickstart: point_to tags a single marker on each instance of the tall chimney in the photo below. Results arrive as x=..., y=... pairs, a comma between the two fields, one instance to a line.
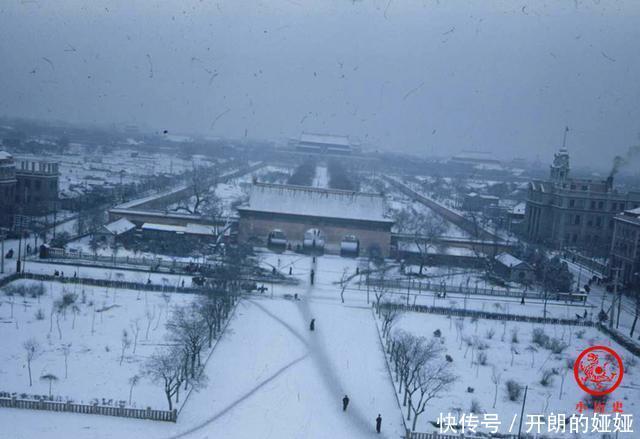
x=609, y=183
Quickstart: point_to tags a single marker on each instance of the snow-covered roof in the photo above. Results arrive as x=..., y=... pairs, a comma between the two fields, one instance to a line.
x=509, y=260
x=163, y=227
x=189, y=229
x=143, y=200
x=485, y=197
x=519, y=209
x=4, y=155
x=120, y=226
x=475, y=156
x=635, y=211
x=200, y=229
x=325, y=139
x=318, y=202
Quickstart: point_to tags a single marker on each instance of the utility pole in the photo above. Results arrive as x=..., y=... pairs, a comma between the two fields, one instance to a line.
x=524, y=400
x=619, y=299
x=615, y=297
x=19, y=248
x=3, y=236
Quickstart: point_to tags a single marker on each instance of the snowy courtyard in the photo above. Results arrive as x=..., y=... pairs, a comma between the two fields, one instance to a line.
x=269, y=375
x=80, y=343
x=486, y=354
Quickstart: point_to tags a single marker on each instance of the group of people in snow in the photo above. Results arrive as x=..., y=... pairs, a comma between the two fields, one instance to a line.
x=345, y=400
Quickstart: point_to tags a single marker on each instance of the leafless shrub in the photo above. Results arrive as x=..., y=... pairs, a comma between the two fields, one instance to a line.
x=514, y=335
x=514, y=390
x=539, y=337
x=476, y=408
x=547, y=377
x=490, y=333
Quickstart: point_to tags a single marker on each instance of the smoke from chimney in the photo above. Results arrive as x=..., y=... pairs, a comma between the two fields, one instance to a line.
x=621, y=161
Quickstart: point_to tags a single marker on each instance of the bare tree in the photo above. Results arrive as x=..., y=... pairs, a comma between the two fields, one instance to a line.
x=60, y=308
x=533, y=351
x=213, y=308
x=637, y=314
x=66, y=350
x=51, y=378
x=150, y=315
x=205, y=201
x=420, y=353
x=495, y=379
x=166, y=368
x=187, y=329
x=431, y=381
x=11, y=300
x=125, y=343
x=344, y=282
x=75, y=310
x=133, y=381
x=388, y=314
x=33, y=351
x=425, y=231
x=379, y=285
x=135, y=327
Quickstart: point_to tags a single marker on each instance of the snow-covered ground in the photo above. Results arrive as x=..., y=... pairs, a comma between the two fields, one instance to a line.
x=125, y=274
x=269, y=376
x=528, y=366
x=92, y=328
x=399, y=202
x=321, y=179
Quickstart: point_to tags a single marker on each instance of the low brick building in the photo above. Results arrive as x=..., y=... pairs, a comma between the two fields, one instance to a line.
x=513, y=269
x=315, y=219
x=28, y=188
x=625, y=247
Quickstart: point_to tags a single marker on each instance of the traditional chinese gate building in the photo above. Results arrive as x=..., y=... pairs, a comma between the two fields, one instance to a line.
x=315, y=219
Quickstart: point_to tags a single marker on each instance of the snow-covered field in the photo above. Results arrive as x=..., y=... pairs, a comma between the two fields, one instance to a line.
x=526, y=366
x=269, y=376
x=399, y=202
x=92, y=328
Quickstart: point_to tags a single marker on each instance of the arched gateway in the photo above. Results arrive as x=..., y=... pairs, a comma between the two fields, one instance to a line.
x=329, y=220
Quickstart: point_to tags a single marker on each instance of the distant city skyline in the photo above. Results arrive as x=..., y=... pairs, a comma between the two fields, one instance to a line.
x=414, y=77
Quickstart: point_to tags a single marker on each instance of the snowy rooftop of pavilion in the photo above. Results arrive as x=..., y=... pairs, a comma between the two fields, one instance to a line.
x=120, y=226
x=325, y=139
x=318, y=202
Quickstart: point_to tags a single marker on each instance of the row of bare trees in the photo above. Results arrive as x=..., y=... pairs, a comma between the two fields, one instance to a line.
x=419, y=365
x=190, y=330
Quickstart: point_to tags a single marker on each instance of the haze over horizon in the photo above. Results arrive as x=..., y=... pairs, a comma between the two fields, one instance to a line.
x=421, y=77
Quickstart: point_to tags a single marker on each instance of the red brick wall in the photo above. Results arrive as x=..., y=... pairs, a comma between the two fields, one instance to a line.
x=252, y=228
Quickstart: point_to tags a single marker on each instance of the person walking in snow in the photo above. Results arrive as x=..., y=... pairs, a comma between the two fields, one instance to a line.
x=378, y=423
x=312, y=325
x=312, y=275
x=345, y=403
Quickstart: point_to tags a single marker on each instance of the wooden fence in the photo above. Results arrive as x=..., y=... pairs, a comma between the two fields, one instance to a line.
x=619, y=338
x=108, y=283
x=145, y=265
x=597, y=268
x=416, y=435
x=58, y=406
x=419, y=286
x=485, y=314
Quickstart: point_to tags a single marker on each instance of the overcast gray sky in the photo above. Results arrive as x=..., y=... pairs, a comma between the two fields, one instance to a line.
x=417, y=76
